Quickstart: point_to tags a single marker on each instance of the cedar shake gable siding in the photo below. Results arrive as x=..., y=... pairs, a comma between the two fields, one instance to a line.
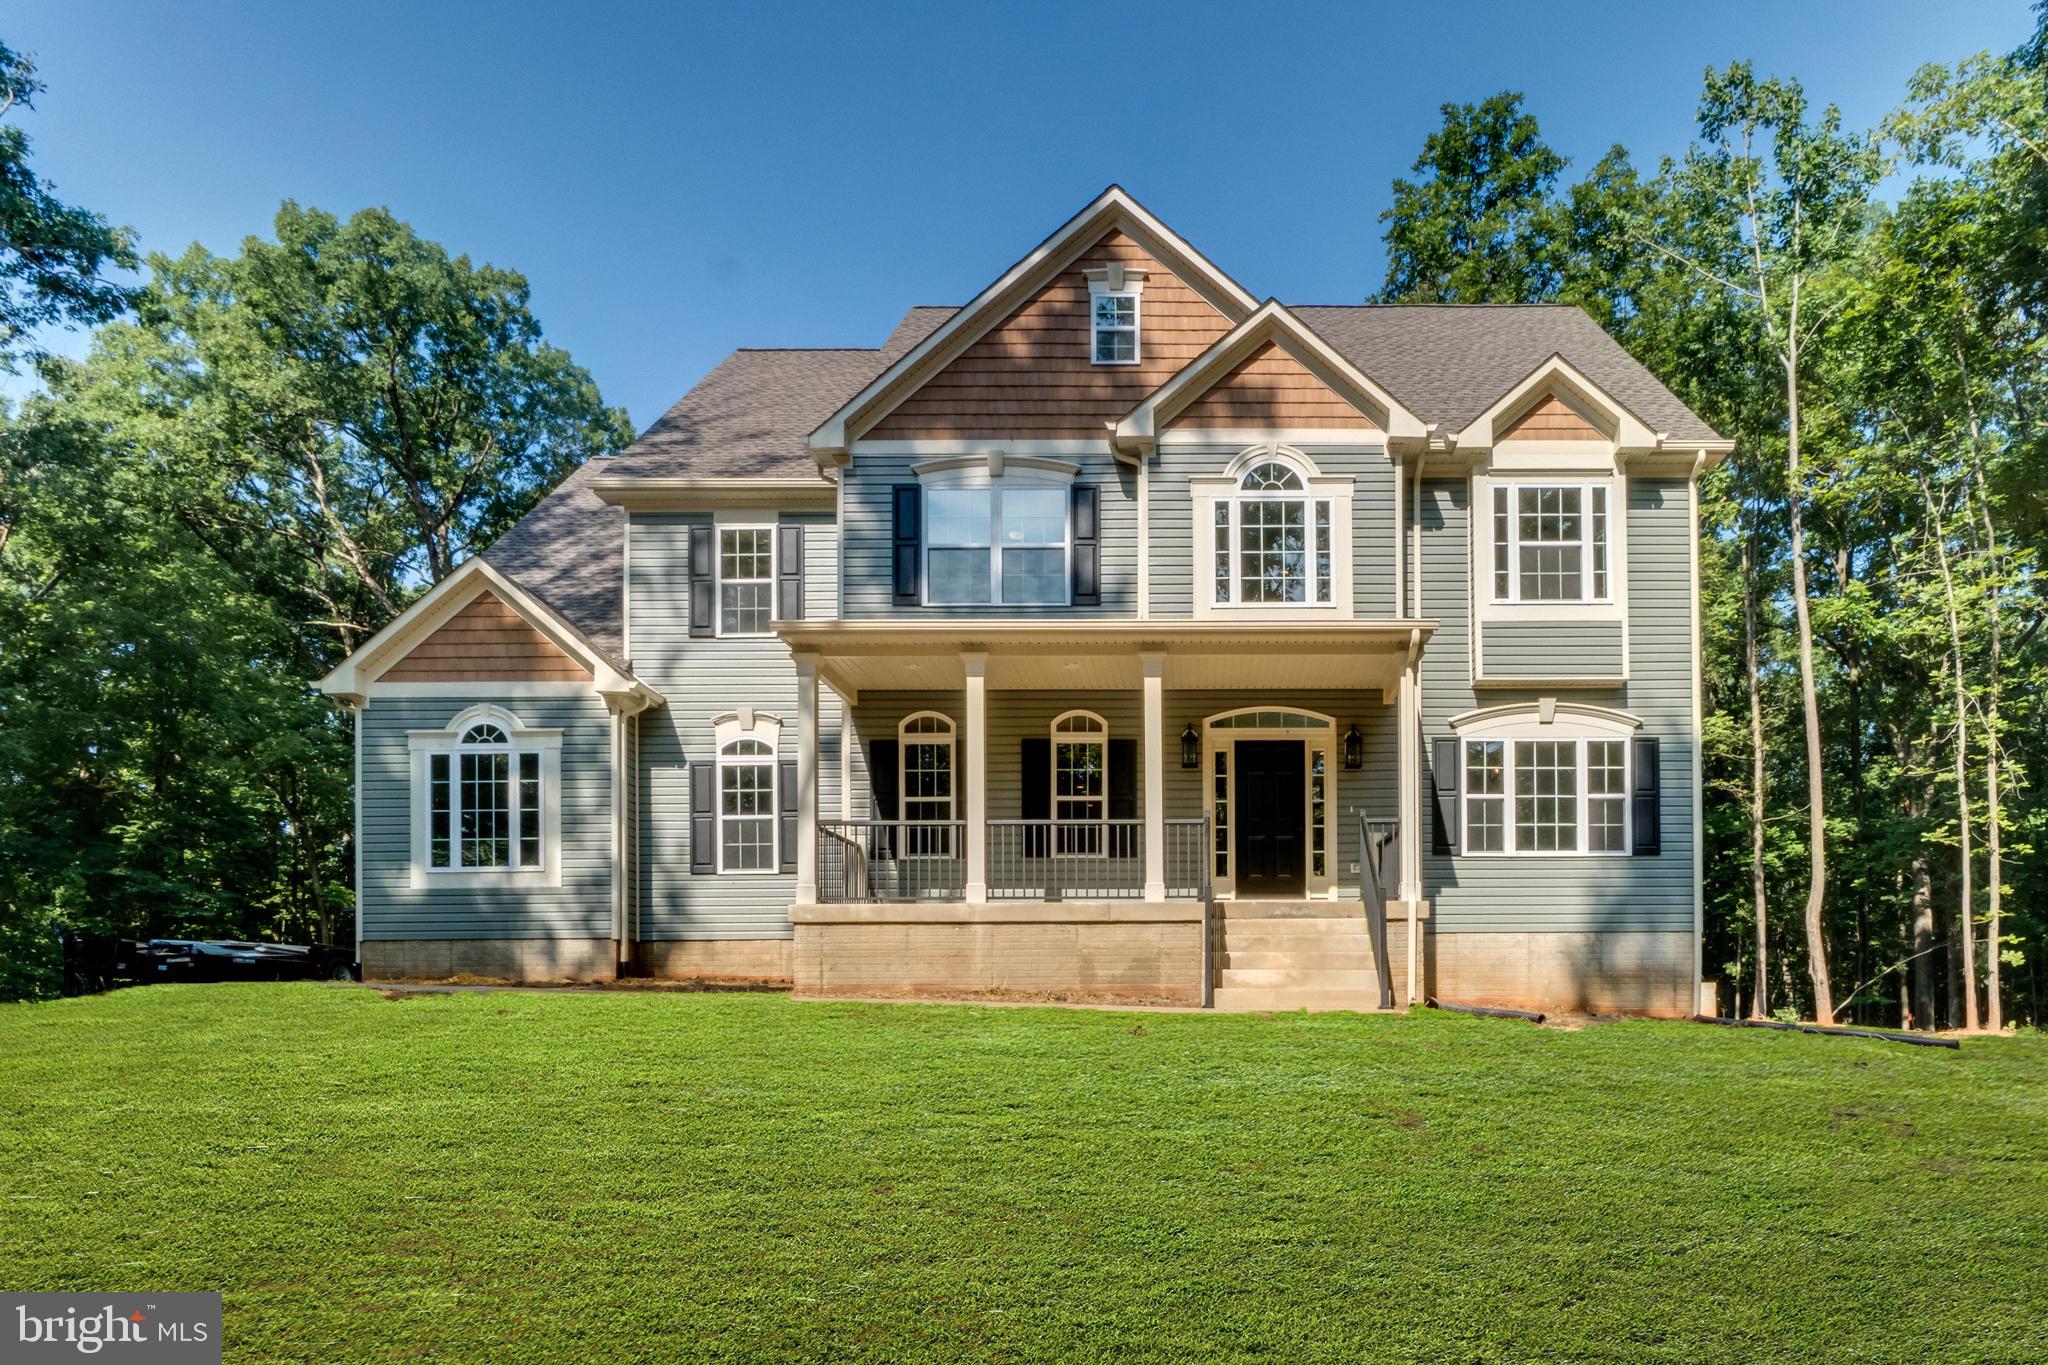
x=1551, y=420
x=486, y=641
x=1030, y=377
x=1270, y=388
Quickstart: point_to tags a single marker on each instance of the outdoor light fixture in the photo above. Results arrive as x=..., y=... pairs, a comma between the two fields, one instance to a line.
x=1190, y=747
x=1354, y=748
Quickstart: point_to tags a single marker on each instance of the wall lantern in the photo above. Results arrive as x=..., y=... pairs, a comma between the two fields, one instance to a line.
x=1354, y=749
x=1190, y=747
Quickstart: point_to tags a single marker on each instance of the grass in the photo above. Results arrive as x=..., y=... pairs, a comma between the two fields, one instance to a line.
x=514, y=1176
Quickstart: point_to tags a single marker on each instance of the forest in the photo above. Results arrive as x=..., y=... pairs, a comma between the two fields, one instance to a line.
x=264, y=456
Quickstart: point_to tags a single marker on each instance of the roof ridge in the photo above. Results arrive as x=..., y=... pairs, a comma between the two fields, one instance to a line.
x=861, y=350
x=1572, y=306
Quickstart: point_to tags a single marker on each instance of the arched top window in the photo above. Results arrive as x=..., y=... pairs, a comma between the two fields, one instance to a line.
x=1272, y=542
x=484, y=801
x=925, y=749
x=926, y=723
x=1270, y=475
x=746, y=806
x=747, y=748
x=484, y=734
x=1079, y=723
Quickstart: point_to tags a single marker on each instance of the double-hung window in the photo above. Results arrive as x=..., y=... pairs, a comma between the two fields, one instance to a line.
x=1080, y=782
x=1546, y=796
x=996, y=546
x=746, y=807
x=1271, y=541
x=925, y=744
x=1551, y=542
x=1114, y=329
x=484, y=804
x=746, y=579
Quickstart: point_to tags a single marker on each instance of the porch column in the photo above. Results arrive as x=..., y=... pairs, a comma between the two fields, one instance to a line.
x=975, y=667
x=1409, y=809
x=1154, y=665
x=806, y=779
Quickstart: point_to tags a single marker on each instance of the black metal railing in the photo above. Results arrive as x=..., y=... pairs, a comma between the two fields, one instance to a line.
x=1187, y=858
x=1374, y=838
x=1051, y=860
x=891, y=860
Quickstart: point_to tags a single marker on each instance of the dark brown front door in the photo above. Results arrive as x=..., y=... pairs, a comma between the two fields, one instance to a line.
x=1269, y=818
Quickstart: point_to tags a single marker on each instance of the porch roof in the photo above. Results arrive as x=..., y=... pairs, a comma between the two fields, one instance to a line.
x=923, y=656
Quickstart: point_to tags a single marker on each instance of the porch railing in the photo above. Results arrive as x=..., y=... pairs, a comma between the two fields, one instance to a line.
x=891, y=860
x=911, y=860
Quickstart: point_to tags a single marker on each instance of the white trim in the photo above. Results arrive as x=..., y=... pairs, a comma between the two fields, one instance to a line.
x=458, y=691
x=421, y=745
x=1557, y=376
x=1369, y=440
x=994, y=463
x=1486, y=607
x=763, y=729
x=1144, y=492
x=1514, y=718
x=1113, y=280
x=1113, y=208
x=1699, y=854
x=1207, y=491
x=1322, y=737
x=948, y=445
x=706, y=493
x=722, y=522
x=1582, y=799
x=998, y=482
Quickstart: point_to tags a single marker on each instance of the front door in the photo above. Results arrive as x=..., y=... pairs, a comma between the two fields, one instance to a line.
x=1269, y=818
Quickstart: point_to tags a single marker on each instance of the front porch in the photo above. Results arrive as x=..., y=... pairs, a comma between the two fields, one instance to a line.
x=1059, y=810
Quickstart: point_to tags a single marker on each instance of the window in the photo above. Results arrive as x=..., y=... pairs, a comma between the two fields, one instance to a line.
x=1080, y=795
x=996, y=546
x=1114, y=334
x=746, y=579
x=1550, y=543
x=1271, y=541
x=746, y=807
x=1546, y=796
x=484, y=803
x=925, y=749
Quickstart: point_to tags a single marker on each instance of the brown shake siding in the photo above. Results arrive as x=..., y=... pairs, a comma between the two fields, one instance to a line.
x=1270, y=388
x=486, y=641
x=1551, y=420
x=1030, y=378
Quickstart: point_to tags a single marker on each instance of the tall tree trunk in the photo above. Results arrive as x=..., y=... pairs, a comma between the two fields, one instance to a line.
x=1759, y=1004
x=1809, y=697
x=1994, y=1007
x=1924, y=998
x=1966, y=898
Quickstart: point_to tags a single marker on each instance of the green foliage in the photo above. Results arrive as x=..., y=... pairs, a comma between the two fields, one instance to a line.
x=52, y=255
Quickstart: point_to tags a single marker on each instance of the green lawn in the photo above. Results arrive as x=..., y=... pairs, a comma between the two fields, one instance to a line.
x=517, y=1176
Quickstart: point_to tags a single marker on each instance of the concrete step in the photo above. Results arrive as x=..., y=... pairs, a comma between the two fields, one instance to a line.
x=1299, y=978
x=1282, y=941
x=1342, y=959
x=1246, y=998
x=1302, y=909
x=1305, y=927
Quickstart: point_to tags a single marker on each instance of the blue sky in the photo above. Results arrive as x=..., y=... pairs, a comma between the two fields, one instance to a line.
x=678, y=180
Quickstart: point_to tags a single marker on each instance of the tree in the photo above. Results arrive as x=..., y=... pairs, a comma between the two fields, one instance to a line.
x=52, y=256
x=1477, y=227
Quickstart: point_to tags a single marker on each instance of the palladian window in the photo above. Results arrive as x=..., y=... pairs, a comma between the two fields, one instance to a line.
x=484, y=803
x=1271, y=541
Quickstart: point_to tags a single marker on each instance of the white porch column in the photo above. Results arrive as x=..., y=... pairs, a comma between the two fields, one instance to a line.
x=1154, y=665
x=975, y=667
x=1409, y=809
x=806, y=779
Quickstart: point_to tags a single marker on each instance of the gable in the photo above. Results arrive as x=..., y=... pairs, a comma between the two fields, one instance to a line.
x=486, y=641
x=1271, y=389
x=1029, y=376
x=1550, y=418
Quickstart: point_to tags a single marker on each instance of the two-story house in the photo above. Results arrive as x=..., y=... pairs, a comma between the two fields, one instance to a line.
x=1086, y=641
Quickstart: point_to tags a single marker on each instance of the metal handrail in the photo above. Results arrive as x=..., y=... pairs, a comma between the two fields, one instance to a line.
x=1208, y=919
x=1373, y=893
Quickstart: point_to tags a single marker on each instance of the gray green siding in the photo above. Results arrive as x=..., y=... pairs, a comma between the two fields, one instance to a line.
x=1483, y=894
x=703, y=679
x=865, y=495
x=1551, y=649
x=516, y=906
x=1171, y=502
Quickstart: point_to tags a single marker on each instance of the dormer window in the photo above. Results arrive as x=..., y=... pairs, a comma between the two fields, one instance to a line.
x=1113, y=290
x=1116, y=329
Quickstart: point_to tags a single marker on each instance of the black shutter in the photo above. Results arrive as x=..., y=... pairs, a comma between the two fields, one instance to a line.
x=882, y=790
x=1085, y=525
x=703, y=581
x=1444, y=769
x=786, y=791
x=908, y=543
x=1648, y=798
x=789, y=571
x=703, y=819
x=1034, y=759
x=1123, y=779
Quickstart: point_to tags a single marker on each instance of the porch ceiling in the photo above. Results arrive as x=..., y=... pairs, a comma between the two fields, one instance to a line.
x=886, y=656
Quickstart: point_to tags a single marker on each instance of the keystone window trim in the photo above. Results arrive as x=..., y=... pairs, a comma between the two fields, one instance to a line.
x=1325, y=497
x=437, y=757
